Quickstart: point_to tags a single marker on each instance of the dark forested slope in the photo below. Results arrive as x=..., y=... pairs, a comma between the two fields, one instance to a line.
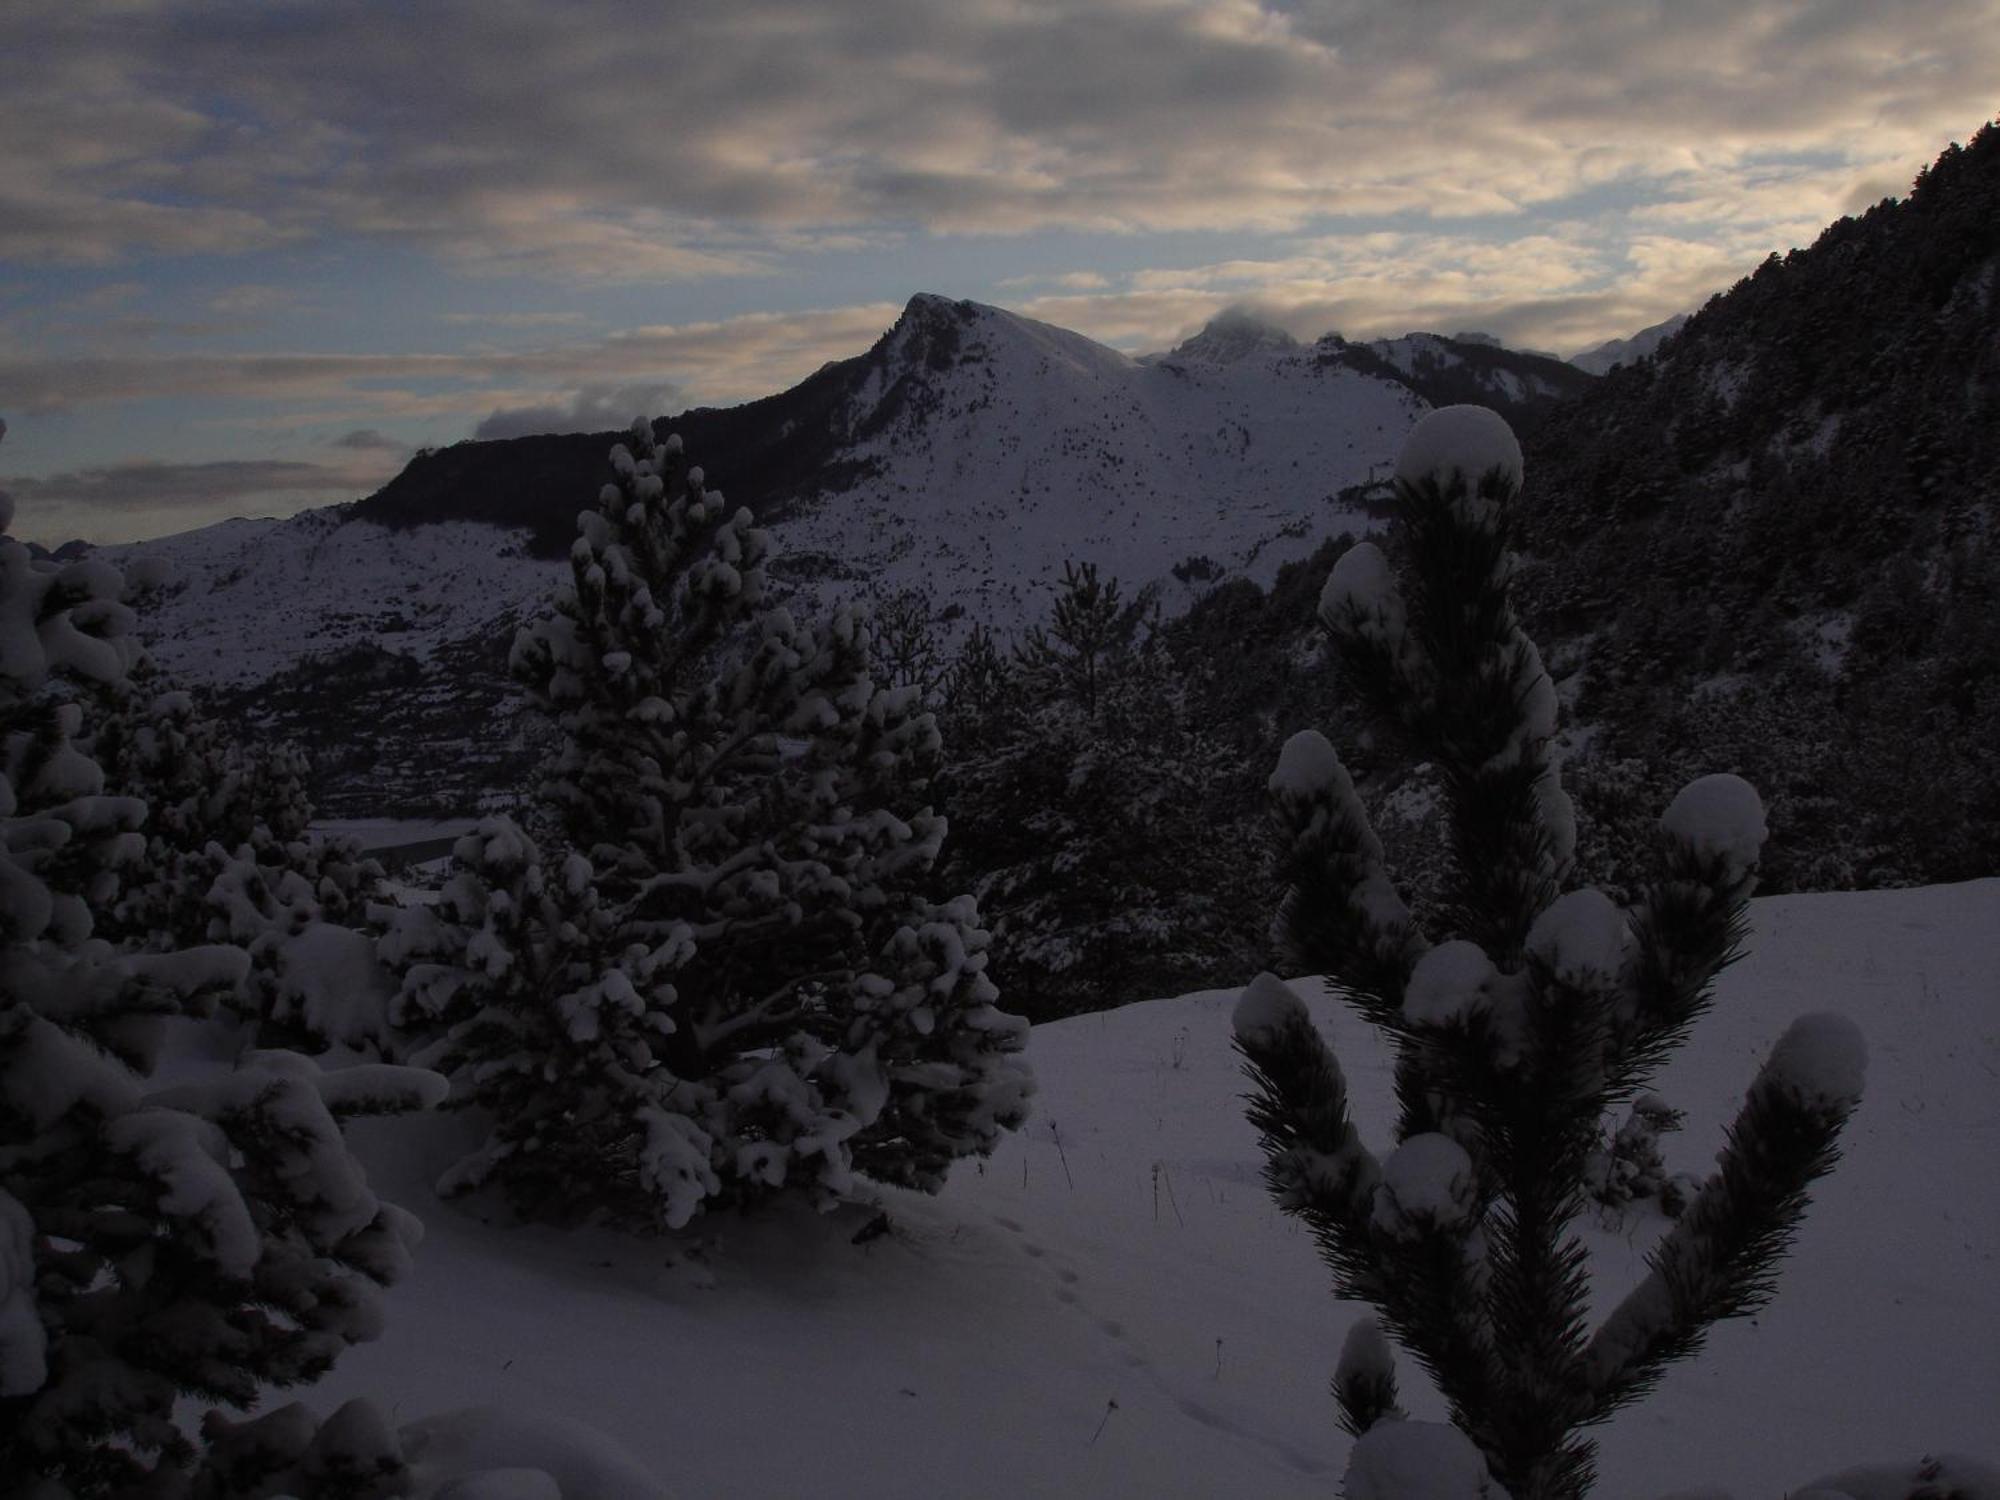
x=1771, y=548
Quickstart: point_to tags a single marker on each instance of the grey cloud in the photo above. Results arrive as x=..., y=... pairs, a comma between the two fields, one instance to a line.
x=368, y=440
x=513, y=319
x=163, y=486
x=592, y=409
x=729, y=359
x=118, y=502
x=589, y=138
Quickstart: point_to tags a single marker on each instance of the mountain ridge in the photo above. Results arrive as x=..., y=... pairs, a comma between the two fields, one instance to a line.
x=774, y=453
x=966, y=455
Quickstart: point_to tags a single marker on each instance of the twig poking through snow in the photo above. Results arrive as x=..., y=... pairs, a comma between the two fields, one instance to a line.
x=1062, y=1155
x=1110, y=1406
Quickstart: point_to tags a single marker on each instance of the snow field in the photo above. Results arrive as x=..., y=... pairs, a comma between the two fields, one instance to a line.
x=1122, y=1249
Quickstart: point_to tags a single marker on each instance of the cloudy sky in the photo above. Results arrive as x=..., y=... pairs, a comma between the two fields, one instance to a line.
x=254, y=252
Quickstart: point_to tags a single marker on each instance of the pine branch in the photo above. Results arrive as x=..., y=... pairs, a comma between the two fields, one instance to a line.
x=1364, y=1382
x=1339, y=915
x=1720, y=1260
x=1689, y=925
x=1315, y=1163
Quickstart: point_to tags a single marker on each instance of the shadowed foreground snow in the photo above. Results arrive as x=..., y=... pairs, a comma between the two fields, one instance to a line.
x=1114, y=1307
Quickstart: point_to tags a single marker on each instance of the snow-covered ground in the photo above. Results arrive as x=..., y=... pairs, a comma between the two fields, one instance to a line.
x=1112, y=1306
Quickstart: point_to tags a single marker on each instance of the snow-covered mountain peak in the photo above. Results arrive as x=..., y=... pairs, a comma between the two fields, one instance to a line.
x=1231, y=335
x=938, y=334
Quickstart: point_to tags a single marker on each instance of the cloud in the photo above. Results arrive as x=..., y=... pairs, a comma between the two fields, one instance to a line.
x=513, y=319
x=1074, y=281
x=731, y=359
x=250, y=302
x=137, y=486
x=1568, y=288
x=592, y=409
x=368, y=440
x=589, y=141
x=119, y=501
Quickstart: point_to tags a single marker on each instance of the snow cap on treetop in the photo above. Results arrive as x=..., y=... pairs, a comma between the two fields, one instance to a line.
x=1719, y=815
x=1468, y=441
x=1267, y=1004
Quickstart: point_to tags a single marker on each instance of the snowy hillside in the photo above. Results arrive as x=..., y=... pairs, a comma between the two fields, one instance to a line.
x=1001, y=447
x=1113, y=1306
x=245, y=600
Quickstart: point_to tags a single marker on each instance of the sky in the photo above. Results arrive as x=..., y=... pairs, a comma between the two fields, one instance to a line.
x=254, y=253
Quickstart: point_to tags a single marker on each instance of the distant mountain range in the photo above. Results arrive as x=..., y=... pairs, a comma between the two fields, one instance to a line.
x=1613, y=352
x=968, y=454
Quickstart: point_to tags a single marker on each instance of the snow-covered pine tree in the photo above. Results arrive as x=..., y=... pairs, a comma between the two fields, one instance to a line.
x=731, y=984
x=203, y=1240
x=1512, y=1038
x=227, y=858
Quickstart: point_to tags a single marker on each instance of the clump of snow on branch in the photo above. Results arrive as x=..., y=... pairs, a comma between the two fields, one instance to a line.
x=1449, y=983
x=1460, y=443
x=1719, y=817
x=1266, y=1006
x=1583, y=936
x=1427, y=1183
x=1309, y=766
x=1821, y=1060
x=1362, y=587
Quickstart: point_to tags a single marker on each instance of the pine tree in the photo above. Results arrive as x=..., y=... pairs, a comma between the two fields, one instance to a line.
x=1082, y=802
x=1513, y=1038
x=730, y=983
x=203, y=1240
x=1088, y=624
x=227, y=858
